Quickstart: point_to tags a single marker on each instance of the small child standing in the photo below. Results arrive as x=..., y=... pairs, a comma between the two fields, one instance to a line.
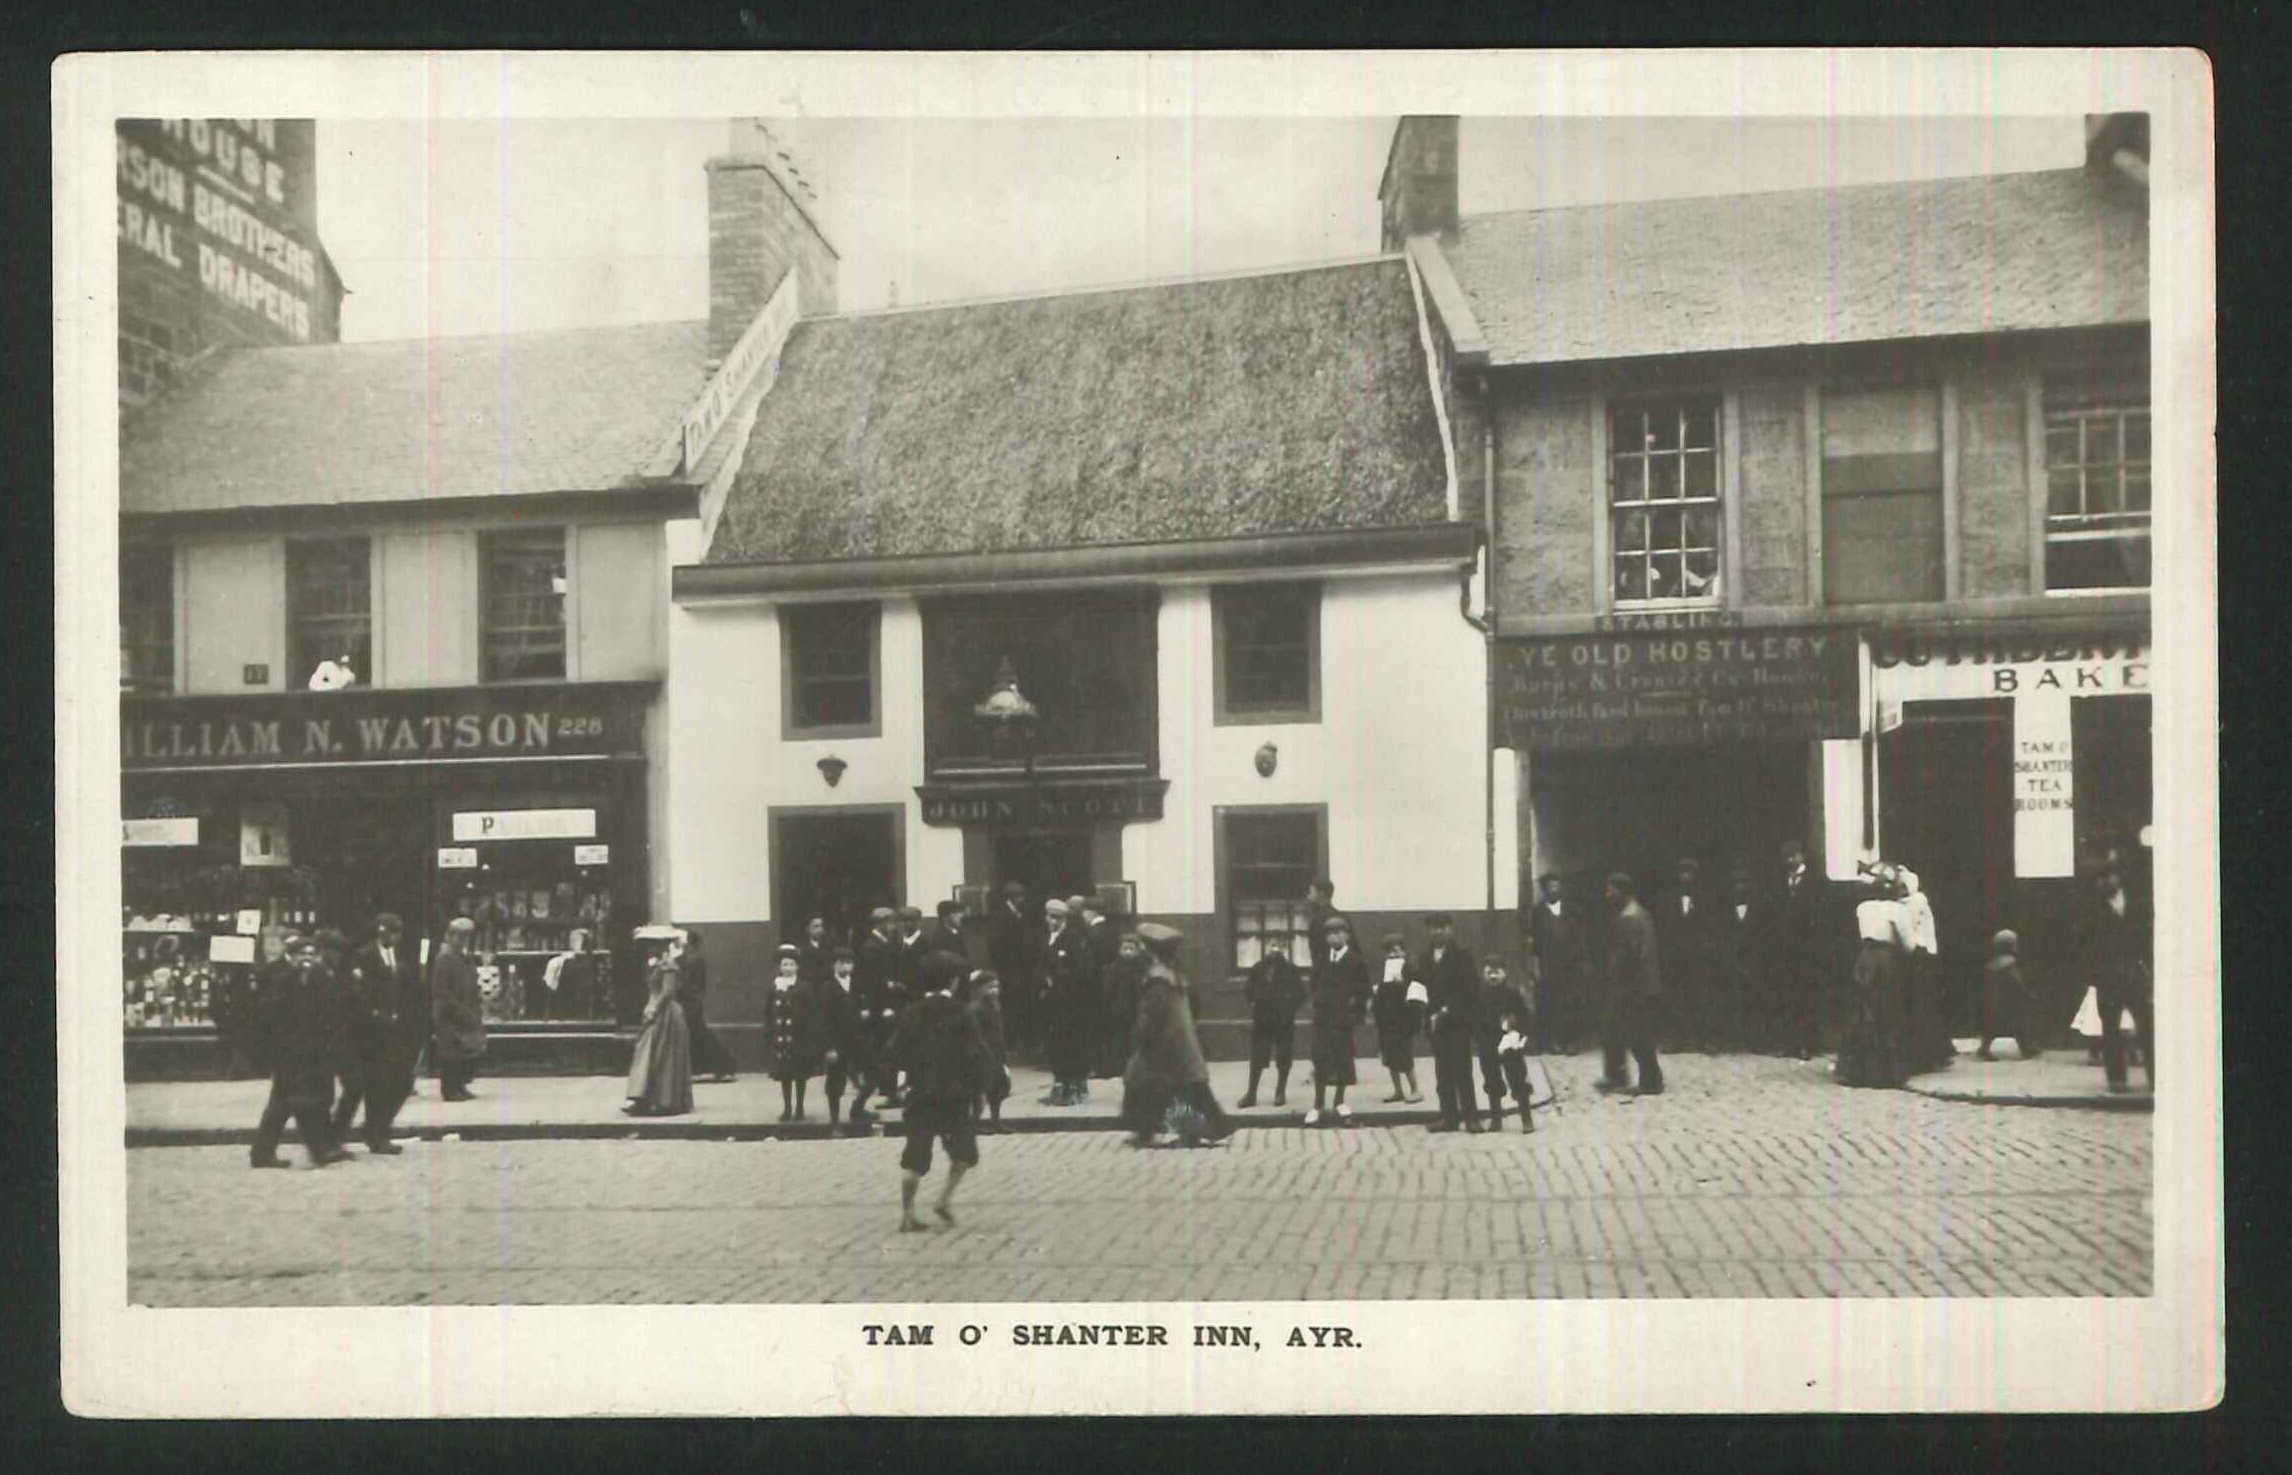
x=983, y=999
x=792, y=1023
x=1512, y=1056
x=2008, y=1009
x=1398, y=1007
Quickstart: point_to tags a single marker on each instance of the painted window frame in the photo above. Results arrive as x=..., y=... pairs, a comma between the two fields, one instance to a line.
x=1823, y=543
x=2081, y=400
x=1224, y=600
x=1614, y=507
x=791, y=617
x=316, y=636
x=1223, y=820
x=489, y=541
x=147, y=596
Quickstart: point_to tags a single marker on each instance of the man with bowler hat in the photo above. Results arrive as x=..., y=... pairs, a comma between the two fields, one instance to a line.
x=1635, y=992
x=384, y=997
x=1452, y=985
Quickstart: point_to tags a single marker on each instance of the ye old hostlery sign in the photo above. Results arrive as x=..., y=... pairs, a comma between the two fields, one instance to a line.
x=331, y=729
x=1678, y=689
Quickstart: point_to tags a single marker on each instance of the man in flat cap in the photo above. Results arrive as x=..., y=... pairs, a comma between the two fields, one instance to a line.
x=1452, y=984
x=877, y=985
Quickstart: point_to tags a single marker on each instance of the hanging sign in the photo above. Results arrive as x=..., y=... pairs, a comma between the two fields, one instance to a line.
x=457, y=858
x=592, y=855
x=136, y=833
x=525, y=824
x=263, y=836
x=226, y=947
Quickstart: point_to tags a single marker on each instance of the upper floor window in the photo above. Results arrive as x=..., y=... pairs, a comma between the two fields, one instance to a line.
x=2097, y=484
x=330, y=607
x=1268, y=652
x=524, y=598
x=830, y=657
x=1663, y=500
x=147, y=617
x=1271, y=857
x=1882, y=496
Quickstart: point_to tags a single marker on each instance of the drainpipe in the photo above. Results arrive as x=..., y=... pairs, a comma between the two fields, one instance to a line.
x=1488, y=640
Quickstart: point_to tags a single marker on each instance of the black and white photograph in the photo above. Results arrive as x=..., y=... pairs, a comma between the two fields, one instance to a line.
x=1149, y=748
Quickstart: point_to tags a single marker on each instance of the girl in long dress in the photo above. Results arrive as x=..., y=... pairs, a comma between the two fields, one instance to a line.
x=1872, y=1054
x=660, y=1072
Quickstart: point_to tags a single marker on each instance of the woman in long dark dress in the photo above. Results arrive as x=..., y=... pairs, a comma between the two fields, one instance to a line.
x=1167, y=1067
x=660, y=1071
x=794, y=1027
x=1340, y=990
x=1875, y=1049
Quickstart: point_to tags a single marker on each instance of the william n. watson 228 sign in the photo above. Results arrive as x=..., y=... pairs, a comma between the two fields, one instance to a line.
x=1678, y=689
x=329, y=729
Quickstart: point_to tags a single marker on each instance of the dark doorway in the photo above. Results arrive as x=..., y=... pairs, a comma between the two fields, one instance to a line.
x=1047, y=862
x=1945, y=780
x=1730, y=808
x=838, y=864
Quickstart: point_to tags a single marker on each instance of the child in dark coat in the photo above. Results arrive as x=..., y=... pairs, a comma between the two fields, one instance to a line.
x=1512, y=1059
x=983, y=998
x=793, y=1024
x=2008, y=1007
x=1398, y=1006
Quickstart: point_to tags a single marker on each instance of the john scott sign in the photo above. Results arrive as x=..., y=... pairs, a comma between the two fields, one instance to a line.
x=1680, y=689
x=329, y=729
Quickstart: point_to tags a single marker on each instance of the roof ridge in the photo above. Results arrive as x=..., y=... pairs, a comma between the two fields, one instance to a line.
x=1868, y=186
x=512, y=336
x=1104, y=289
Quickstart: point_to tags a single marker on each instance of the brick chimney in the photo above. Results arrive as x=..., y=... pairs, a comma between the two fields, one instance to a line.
x=761, y=225
x=1418, y=193
x=2118, y=141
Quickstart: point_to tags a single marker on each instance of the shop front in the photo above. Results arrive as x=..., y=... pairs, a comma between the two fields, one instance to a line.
x=522, y=808
x=2009, y=759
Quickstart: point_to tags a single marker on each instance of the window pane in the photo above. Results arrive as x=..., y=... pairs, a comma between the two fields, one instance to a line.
x=2098, y=563
x=1702, y=574
x=1703, y=425
x=1631, y=532
x=1631, y=577
x=1703, y=475
x=1267, y=635
x=525, y=605
x=2065, y=493
x=2137, y=438
x=2098, y=504
x=1663, y=429
x=831, y=659
x=1663, y=579
x=329, y=607
x=1702, y=527
x=1667, y=527
x=2137, y=490
x=2062, y=445
x=1631, y=479
x=1663, y=478
x=147, y=617
x=1882, y=549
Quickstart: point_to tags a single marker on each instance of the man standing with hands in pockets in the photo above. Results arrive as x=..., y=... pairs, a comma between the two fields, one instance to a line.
x=1452, y=981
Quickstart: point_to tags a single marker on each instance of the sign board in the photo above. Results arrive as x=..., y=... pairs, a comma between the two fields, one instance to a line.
x=592, y=855
x=383, y=726
x=1024, y=806
x=249, y=922
x=457, y=858
x=756, y=353
x=263, y=837
x=525, y=824
x=222, y=206
x=136, y=833
x=1640, y=689
x=1948, y=667
x=2044, y=788
x=226, y=947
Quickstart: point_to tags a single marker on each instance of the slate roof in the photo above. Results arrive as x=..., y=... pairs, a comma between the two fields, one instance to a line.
x=506, y=415
x=1292, y=401
x=1993, y=253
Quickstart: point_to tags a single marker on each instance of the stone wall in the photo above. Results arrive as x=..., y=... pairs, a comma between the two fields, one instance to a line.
x=1549, y=485
x=1771, y=503
x=756, y=234
x=1993, y=481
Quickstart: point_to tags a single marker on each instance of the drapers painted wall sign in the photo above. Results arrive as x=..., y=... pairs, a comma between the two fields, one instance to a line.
x=1627, y=690
x=344, y=728
x=1042, y=806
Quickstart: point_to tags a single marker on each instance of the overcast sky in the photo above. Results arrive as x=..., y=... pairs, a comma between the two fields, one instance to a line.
x=482, y=227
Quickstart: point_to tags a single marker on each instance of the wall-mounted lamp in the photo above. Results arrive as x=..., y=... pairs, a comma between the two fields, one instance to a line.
x=1268, y=759
x=832, y=769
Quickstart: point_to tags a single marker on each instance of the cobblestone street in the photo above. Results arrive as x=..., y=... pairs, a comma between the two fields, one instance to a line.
x=1750, y=1178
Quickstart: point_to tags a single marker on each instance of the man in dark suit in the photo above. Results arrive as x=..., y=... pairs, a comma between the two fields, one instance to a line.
x=1686, y=936
x=1109, y=1031
x=1069, y=1005
x=1789, y=955
x=1320, y=903
x=384, y=999
x=1556, y=940
x=879, y=983
x=299, y=1006
x=1012, y=948
x=947, y=934
x=1635, y=992
x=848, y=1046
x=1452, y=986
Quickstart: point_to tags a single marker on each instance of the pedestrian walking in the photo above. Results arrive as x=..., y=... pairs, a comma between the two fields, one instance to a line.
x=1013, y=947
x=1924, y=994
x=710, y=1060
x=879, y=982
x=1452, y=991
x=660, y=1068
x=795, y=1031
x=382, y=993
x=1873, y=1051
x=2116, y=938
x=1167, y=1074
x=1499, y=997
x=1273, y=988
x=1635, y=993
x=843, y=1034
x=1340, y=998
x=2009, y=1007
x=983, y=996
x=1556, y=941
x=298, y=1038
x=1068, y=1006
x=1398, y=1006
x=1118, y=984
x=457, y=1012
x=946, y=1061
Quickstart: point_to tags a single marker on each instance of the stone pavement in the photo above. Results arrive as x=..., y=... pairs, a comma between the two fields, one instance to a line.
x=183, y=1113
x=1749, y=1178
x=2056, y=1078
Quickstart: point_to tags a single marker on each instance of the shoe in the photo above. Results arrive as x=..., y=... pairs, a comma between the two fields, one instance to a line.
x=1135, y=1139
x=1344, y=1116
x=384, y=1149
x=1648, y=1091
x=1248, y=1100
x=1281, y=1097
x=1442, y=1127
x=1082, y=1094
x=461, y=1096
x=269, y=1162
x=1313, y=1116
x=1052, y=1097
x=1396, y=1096
x=946, y=1214
x=329, y=1158
x=2119, y=1088
x=1414, y=1097
x=1472, y=1125
x=1607, y=1087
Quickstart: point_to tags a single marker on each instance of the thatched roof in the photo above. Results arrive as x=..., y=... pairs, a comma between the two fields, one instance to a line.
x=1290, y=401
x=2065, y=248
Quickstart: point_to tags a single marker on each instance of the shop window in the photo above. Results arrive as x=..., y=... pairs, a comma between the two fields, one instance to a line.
x=525, y=589
x=1664, y=502
x=1270, y=856
x=330, y=607
x=1882, y=496
x=1268, y=652
x=147, y=618
x=831, y=655
x=2096, y=485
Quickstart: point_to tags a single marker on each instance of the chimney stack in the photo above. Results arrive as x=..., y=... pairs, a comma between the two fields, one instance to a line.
x=2118, y=141
x=1418, y=193
x=761, y=226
